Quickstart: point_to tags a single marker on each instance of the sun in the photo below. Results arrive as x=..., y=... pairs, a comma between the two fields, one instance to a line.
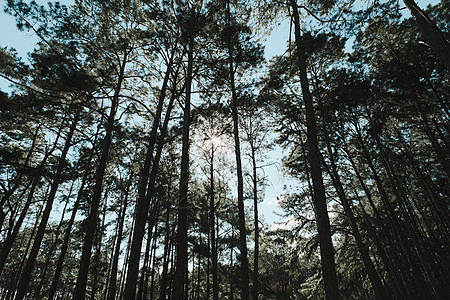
x=216, y=141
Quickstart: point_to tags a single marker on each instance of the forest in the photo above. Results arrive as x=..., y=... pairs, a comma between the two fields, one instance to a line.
x=135, y=138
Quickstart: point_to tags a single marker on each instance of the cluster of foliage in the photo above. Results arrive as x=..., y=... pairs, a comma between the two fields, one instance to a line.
x=137, y=129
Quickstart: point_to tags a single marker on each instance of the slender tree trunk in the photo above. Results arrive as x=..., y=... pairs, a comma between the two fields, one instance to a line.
x=143, y=201
x=199, y=264
x=323, y=222
x=241, y=208
x=151, y=239
x=152, y=272
x=377, y=286
x=98, y=248
x=212, y=209
x=65, y=245
x=8, y=243
x=183, y=206
x=172, y=251
x=124, y=270
x=13, y=231
x=435, y=37
x=53, y=246
x=208, y=265
x=245, y=293
x=164, y=280
x=12, y=288
x=91, y=220
x=29, y=266
x=255, y=287
x=17, y=180
x=113, y=281
x=231, y=265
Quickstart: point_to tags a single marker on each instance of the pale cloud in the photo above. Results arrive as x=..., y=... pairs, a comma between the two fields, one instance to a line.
x=271, y=201
x=287, y=224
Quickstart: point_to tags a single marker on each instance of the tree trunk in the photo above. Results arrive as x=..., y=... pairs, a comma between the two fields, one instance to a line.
x=231, y=265
x=12, y=288
x=53, y=246
x=124, y=270
x=65, y=245
x=11, y=237
x=12, y=232
x=98, y=247
x=152, y=272
x=17, y=180
x=245, y=293
x=151, y=239
x=91, y=221
x=113, y=281
x=323, y=222
x=29, y=266
x=435, y=37
x=377, y=286
x=183, y=205
x=143, y=202
x=237, y=150
x=164, y=280
x=256, y=222
x=212, y=217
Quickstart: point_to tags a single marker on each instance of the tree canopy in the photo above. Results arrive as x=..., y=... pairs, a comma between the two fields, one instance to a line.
x=136, y=138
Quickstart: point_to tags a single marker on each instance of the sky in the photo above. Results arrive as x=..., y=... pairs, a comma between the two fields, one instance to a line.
x=275, y=44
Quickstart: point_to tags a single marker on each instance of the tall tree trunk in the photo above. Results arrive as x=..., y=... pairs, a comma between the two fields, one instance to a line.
x=237, y=150
x=124, y=270
x=11, y=237
x=15, y=228
x=435, y=37
x=231, y=265
x=65, y=245
x=29, y=266
x=323, y=221
x=245, y=281
x=113, y=281
x=53, y=246
x=164, y=280
x=91, y=220
x=143, y=201
x=18, y=179
x=208, y=265
x=183, y=205
x=172, y=251
x=377, y=286
x=151, y=239
x=212, y=225
x=256, y=222
x=199, y=265
x=12, y=287
x=152, y=272
x=98, y=247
